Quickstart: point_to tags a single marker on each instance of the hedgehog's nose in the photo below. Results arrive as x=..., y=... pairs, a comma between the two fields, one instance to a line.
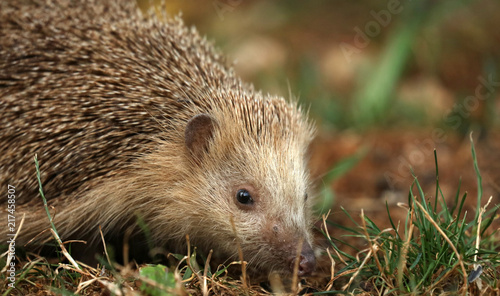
x=307, y=261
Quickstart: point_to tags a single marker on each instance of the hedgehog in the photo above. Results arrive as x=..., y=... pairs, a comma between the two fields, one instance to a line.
x=136, y=116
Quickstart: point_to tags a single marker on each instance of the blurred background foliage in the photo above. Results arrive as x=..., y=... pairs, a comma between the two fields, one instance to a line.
x=363, y=64
x=386, y=81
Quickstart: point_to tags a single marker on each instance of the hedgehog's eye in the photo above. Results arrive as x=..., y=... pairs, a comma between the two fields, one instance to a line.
x=244, y=197
x=306, y=196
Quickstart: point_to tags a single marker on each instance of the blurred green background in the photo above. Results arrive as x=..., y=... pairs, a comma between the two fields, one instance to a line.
x=364, y=64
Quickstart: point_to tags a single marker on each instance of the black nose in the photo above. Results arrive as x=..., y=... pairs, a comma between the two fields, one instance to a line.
x=307, y=261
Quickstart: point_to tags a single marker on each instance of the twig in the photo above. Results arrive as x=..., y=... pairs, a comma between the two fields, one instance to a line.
x=404, y=252
x=358, y=270
x=332, y=270
x=205, y=288
x=64, y=251
x=104, y=245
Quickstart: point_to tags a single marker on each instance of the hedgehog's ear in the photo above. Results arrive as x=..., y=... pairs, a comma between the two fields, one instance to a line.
x=199, y=131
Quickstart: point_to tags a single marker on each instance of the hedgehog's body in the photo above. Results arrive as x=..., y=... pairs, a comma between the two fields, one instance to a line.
x=132, y=117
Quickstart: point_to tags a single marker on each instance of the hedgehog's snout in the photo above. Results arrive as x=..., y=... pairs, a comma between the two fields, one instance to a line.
x=307, y=261
x=285, y=243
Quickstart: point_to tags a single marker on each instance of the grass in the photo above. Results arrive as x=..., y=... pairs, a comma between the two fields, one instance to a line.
x=438, y=249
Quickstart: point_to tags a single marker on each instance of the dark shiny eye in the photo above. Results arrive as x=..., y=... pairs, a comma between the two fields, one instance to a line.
x=244, y=197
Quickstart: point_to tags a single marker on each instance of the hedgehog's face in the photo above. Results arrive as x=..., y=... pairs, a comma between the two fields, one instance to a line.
x=263, y=191
x=272, y=223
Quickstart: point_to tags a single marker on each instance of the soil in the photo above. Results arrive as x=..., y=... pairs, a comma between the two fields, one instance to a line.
x=384, y=174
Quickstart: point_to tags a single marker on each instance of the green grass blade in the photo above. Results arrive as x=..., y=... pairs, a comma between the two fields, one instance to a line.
x=437, y=181
x=390, y=220
x=349, y=216
x=339, y=226
x=461, y=207
x=479, y=178
x=40, y=189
